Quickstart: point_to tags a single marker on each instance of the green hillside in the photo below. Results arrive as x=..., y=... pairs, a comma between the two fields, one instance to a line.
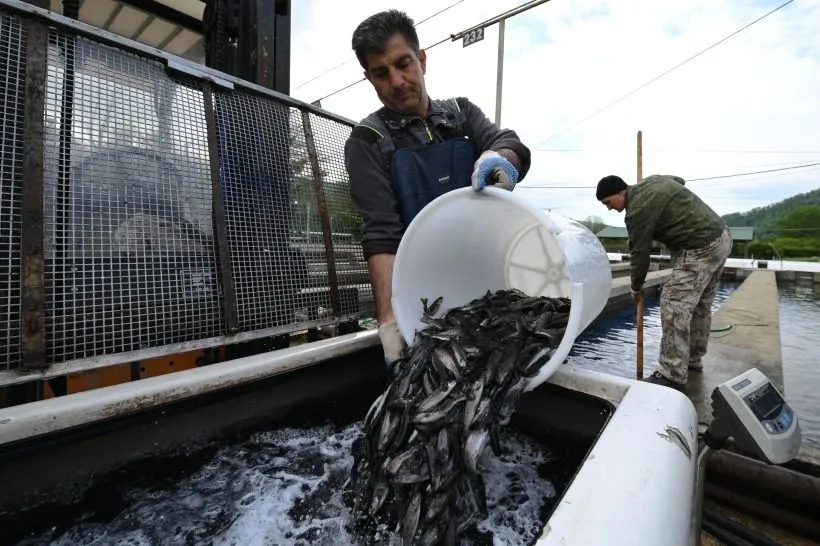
x=765, y=219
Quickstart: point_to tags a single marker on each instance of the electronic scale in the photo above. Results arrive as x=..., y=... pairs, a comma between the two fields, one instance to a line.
x=750, y=410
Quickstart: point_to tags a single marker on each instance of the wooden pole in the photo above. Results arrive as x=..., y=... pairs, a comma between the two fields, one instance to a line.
x=639, y=352
x=639, y=303
x=640, y=156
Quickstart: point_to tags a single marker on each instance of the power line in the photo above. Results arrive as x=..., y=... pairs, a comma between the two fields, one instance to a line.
x=656, y=78
x=668, y=151
x=500, y=17
x=348, y=86
x=451, y=37
x=805, y=165
x=338, y=66
x=734, y=175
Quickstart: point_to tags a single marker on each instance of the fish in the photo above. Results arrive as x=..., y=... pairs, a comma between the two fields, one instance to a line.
x=418, y=468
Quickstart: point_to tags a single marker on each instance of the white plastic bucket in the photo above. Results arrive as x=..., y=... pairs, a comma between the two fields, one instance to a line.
x=465, y=243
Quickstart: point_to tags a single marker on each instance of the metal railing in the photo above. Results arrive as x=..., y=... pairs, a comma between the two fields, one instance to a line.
x=151, y=205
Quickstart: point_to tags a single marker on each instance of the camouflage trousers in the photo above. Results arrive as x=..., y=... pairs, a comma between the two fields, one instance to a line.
x=686, y=307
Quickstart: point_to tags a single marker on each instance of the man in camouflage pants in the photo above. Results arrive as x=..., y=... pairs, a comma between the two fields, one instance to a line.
x=662, y=209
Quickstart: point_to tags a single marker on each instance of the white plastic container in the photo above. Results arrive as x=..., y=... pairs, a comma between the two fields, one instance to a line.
x=465, y=243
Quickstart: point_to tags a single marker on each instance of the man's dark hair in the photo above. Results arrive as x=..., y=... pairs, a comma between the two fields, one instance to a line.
x=372, y=34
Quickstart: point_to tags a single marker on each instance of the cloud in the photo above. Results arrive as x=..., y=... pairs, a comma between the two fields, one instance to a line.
x=755, y=94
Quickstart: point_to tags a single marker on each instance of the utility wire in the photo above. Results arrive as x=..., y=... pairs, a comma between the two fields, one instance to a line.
x=338, y=66
x=806, y=165
x=667, y=151
x=348, y=86
x=451, y=37
x=734, y=175
x=656, y=78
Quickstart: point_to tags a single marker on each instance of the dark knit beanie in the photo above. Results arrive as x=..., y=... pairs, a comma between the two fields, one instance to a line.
x=609, y=185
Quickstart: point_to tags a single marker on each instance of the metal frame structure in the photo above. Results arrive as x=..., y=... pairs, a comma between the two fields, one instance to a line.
x=66, y=62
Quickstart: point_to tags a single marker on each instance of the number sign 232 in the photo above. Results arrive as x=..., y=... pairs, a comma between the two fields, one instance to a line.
x=473, y=36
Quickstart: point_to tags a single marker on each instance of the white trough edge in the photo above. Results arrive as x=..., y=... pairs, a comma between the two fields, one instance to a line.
x=636, y=487
x=55, y=414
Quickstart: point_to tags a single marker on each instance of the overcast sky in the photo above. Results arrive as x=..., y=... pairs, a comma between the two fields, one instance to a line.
x=751, y=103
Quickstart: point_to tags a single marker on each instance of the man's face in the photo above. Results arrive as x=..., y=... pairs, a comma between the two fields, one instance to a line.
x=397, y=74
x=614, y=202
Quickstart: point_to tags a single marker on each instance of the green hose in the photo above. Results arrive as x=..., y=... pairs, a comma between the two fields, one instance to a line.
x=722, y=328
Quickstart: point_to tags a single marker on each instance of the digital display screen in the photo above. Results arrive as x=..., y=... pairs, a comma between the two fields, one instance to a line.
x=765, y=403
x=741, y=384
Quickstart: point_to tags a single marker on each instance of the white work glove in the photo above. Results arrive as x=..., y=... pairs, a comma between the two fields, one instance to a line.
x=493, y=169
x=392, y=341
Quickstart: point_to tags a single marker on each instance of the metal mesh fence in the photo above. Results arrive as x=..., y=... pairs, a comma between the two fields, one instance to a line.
x=255, y=174
x=132, y=234
x=345, y=222
x=12, y=79
x=130, y=260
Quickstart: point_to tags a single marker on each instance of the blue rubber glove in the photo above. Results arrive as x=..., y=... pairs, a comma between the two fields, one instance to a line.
x=493, y=169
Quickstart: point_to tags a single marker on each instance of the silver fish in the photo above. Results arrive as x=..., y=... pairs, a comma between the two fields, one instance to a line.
x=450, y=395
x=411, y=518
x=474, y=448
x=436, y=398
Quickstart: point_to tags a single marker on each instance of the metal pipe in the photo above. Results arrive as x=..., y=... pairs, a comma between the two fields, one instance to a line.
x=714, y=519
x=723, y=535
x=56, y=414
x=810, y=528
x=768, y=479
x=697, y=504
x=17, y=377
x=500, y=74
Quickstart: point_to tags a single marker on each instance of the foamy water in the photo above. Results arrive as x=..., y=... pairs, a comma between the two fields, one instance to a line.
x=285, y=488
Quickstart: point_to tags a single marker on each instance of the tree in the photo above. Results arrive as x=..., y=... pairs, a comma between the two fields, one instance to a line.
x=594, y=223
x=802, y=221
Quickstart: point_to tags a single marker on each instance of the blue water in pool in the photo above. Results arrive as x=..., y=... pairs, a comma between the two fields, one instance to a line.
x=799, y=339
x=609, y=345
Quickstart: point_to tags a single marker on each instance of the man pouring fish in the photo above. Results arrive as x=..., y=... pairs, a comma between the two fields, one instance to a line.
x=412, y=150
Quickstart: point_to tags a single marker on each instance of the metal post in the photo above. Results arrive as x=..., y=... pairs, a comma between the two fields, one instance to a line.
x=229, y=302
x=500, y=76
x=640, y=156
x=32, y=311
x=324, y=214
x=697, y=503
x=281, y=51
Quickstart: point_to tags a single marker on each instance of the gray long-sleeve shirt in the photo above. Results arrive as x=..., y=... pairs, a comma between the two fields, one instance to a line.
x=370, y=181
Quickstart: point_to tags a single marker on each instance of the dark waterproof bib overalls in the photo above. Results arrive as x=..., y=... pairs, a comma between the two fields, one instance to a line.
x=419, y=174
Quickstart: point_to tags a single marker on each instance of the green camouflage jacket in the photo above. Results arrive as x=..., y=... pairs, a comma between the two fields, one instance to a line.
x=662, y=209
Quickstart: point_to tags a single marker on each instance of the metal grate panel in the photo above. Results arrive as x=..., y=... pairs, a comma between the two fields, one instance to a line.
x=130, y=259
x=256, y=170
x=133, y=241
x=351, y=268
x=12, y=104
